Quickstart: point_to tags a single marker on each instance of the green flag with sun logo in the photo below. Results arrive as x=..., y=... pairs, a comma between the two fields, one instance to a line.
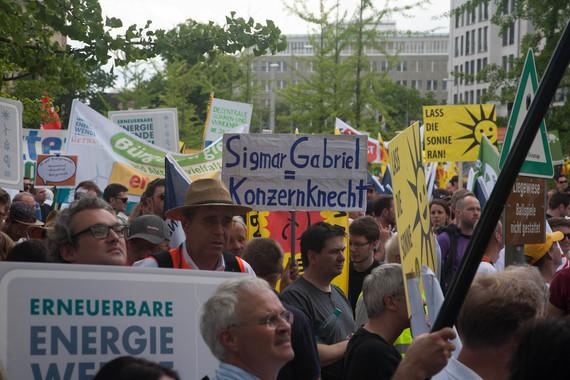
x=454, y=133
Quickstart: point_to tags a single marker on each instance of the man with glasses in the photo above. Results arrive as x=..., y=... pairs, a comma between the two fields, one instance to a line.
x=116, y=195
x=88, y=232
x=247, y=328
x=152, y=200
x=561, y=183
x=364, y=237
x=322, y=253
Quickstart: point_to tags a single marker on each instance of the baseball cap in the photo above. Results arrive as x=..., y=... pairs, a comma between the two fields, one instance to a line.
x=150, y=228
x=537, y=251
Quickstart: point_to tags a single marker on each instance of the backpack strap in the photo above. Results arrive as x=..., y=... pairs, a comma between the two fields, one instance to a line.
x=163, y=259
x=233, y=263
x=447, y=275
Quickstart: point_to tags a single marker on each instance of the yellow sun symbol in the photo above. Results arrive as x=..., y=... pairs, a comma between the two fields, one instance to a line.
x=422, y=206
x=482, y=126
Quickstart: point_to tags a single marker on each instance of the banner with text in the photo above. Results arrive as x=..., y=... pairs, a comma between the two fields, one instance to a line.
x=411, y=204
x=525, y=212
x=155, y=126
x=12, y=171
x=224, y=116
x=65, y=321
x=296, y=172
x=100, y=144
x=40, y=141
x=453, y=133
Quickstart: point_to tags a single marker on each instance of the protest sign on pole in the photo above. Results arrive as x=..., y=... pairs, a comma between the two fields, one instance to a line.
x=296, y=172
x=453, y=133
x=225, y=116
x=105, y=151
x=56, y=170
x=64, y=321
x=40, y=141
x=12, y=172
x=411, y=205
x=156, y=126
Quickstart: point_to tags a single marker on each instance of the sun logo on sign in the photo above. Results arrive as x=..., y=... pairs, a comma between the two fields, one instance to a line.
x=422, y=218
x=482, y=126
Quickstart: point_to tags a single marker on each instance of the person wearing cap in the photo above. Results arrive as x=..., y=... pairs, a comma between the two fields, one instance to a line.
x=148, y=234
x=20, y=218
x=545, y=256
x=206, y=217
x=88, y=232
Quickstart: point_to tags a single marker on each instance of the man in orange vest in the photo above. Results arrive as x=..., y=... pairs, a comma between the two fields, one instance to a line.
x=206, y=217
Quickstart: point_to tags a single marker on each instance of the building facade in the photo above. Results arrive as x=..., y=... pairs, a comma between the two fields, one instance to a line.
x=422, y=62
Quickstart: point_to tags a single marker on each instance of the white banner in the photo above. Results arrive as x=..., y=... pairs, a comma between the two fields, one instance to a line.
x=155, y=126
x=12, y=168
x=107, y=153
x=63, y=321
x=224, y=117
x=296, y=172
x=373, y=146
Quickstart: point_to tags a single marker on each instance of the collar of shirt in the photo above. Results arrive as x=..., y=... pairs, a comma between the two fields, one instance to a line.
x=220, y=266
x=230, y=372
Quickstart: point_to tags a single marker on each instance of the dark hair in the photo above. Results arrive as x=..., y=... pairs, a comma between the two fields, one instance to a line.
x=113, y=190
x=366, y=226
x=383, y=202
x=89, y=185
x=557, y=221
x=557, y=199
x=131, y=368
x=4, y=197
x=264, y=255
x=536, y=355
x=32, y=250
x=315, y=237
x=441, y=203
x=152, y=185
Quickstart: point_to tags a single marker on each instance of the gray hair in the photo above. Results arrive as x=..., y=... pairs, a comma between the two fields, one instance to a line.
x=385, y=280
x=61, y=234
x=220, y=310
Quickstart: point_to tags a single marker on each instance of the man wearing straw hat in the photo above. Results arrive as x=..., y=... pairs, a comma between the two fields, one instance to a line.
x=206, y=217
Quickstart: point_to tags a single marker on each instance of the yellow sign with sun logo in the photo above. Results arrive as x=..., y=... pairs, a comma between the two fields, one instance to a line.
x=411, y=203
x=453, y=133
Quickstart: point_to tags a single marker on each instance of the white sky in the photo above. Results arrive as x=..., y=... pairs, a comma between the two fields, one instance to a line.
x=167, y=13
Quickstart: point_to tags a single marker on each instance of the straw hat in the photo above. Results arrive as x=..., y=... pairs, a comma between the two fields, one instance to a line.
x=206, y=192
x=24, y=213
x=536, y=251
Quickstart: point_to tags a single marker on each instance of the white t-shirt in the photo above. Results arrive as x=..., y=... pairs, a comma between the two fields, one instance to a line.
x=455, y=370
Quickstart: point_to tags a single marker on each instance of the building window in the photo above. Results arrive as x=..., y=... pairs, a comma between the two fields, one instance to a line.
x=486, y=10
x=461, y=47
x=512, y=33
x=461, y=76
x=478, y=69
x=505, y=63
x=444, y=85
x=473, y=41
x=456, y=46
x=455, y=75
x=479, y=41
x=435, y=85
x=457, y=20
x=480, y=11
x=414, y=83
x=454, y=98
x=402, y=66
x=485, y=38
x=478, y=98
x=467, y=43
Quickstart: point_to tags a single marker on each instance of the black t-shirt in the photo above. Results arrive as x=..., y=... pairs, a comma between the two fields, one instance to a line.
x=369, y=356
x=355, y=280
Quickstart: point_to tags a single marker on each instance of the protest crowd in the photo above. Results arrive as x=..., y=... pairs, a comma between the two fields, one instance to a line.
x=286, y=319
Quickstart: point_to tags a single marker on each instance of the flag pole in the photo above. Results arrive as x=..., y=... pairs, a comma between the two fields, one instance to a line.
x=496, y=202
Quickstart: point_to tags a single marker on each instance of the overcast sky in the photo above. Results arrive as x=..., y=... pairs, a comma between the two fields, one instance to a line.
x=167, y=13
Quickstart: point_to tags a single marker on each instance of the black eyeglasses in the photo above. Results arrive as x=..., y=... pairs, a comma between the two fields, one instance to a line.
x=272, y=320
x=101, y=231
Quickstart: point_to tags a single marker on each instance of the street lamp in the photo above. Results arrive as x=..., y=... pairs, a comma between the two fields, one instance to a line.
x=272, y=66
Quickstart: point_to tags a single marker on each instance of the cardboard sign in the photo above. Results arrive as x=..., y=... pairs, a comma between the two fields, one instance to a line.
x=155, y=126
x=296, y=172
x=64, y=321
x=525, y=212
x=411, y=204
x=56, y=170
x=224, y=116
x=453, y=133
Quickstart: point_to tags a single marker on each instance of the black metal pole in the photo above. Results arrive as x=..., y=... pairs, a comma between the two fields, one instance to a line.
x=494, y=207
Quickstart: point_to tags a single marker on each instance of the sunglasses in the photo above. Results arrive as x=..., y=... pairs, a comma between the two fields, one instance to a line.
x=563, y=181
x=124, y=200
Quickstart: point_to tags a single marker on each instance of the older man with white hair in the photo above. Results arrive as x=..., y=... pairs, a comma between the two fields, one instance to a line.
x=247, y=328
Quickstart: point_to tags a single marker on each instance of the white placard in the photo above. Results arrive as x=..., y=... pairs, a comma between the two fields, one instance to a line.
x=296, y=172
x=224, y=117
x=11, y=165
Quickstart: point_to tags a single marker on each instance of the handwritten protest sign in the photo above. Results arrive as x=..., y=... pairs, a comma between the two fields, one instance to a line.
x=525, y=212
x=155, y=126
x=411, y=203
x=56, y=170
x=296, y=172
x=62, y=321
x=453, y=133
x=225, y=116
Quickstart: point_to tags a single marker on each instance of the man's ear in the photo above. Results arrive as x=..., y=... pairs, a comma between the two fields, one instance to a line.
x=228, y=340
x=389, y=302
x=67, y=253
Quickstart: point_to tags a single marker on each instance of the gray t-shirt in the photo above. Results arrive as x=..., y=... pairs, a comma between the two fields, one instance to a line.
x=330, y=313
